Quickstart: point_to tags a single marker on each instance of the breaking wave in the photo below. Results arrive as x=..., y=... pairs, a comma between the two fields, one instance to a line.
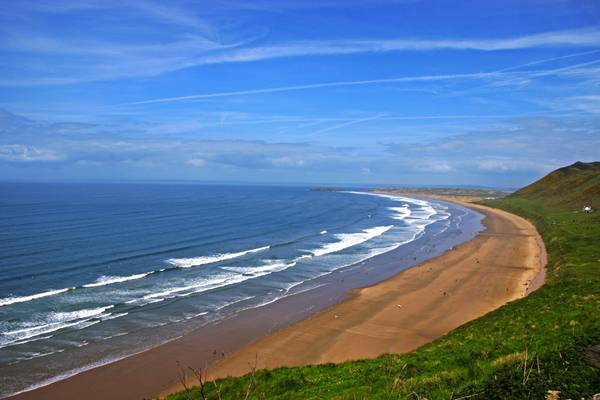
x=351, y=239
x=109, y=280
x=52, y=323
x=21, y=299
x=196, y=261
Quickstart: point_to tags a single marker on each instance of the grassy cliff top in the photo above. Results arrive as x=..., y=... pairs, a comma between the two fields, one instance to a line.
x=576, y=185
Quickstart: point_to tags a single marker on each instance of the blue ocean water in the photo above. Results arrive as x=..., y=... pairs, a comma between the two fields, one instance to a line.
x=96, y=269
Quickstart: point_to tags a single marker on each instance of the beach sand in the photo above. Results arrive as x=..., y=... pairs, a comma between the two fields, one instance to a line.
x=503, y=263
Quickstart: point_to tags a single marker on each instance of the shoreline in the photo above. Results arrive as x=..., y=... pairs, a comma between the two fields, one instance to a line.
x=150, y=373
x=373, y=320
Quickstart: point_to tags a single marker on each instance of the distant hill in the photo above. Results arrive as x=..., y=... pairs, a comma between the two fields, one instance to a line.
x=576, y=185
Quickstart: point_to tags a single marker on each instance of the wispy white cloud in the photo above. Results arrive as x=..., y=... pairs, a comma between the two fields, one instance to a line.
x=317, y=86
x=528, y=147
x=587, y=103
x=44, y=44
x=268, y=6
x=196, y=162
x=532, y=144
x=548, y=60
x=571, y=38
x=435, y=166
x=171, y=14
x=500, y=77
x=25, y=153
x=345, y=124
x=196, y=41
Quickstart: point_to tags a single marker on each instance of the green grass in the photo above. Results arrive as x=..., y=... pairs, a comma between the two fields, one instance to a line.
x=576, y=185
x=519, y=351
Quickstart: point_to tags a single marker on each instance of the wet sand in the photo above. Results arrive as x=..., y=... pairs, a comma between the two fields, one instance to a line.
x=501, y=264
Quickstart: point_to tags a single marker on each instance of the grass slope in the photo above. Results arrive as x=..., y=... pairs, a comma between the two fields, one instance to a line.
x=576, y=185
x=519, y=351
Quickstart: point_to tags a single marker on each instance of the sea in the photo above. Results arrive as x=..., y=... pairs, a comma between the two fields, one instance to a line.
x=94, y=272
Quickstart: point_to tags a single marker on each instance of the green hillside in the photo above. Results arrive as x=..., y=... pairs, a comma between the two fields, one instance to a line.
x=520, y=351
x=576, y=185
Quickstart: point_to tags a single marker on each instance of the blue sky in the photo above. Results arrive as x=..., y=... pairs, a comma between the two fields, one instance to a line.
x=493, y=93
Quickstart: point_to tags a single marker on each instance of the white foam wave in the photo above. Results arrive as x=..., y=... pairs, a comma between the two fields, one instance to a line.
x=79, y=314
x=195, y=261
x=424, y=210
x=400, y=213
x=202, y=286
x=113, y=316
x=372, y=253
x=191, y=316
x=31, y=356
x=53, y=322
x=85, y=324
x=75, y=371
x=241, y=274
x=323, y=232
x=22, y=299
x=29, y=340
x=109, y=280
x=270, y=267
x=351, y=239
x=226, y=304
x=420, y=216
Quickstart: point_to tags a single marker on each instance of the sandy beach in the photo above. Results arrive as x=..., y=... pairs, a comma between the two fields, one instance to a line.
x=503, y=263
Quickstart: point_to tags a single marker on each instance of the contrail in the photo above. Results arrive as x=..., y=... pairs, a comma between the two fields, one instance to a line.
x=547, y=60
x=314, y=86
x=475, y=75
x=347, y=123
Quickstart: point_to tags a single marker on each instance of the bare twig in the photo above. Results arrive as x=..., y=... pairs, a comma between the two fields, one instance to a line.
x=200, y=379
x=251, y=377
x=183, y=379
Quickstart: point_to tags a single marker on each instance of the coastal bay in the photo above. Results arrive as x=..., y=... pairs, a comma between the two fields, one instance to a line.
x=503, y=263
x=397, y=315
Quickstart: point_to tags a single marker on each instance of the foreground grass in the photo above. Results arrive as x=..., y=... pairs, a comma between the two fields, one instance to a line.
x=520, y=351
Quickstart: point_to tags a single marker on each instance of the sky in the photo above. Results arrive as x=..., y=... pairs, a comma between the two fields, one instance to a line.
x=402, y=92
